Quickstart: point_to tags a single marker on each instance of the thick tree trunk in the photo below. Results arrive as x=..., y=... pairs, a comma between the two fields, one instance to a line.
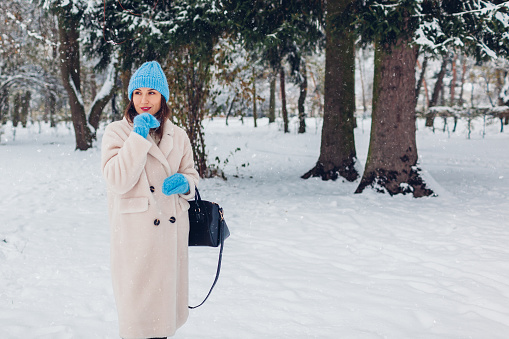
x=302, y=99
x=392, y=155
x=70, y=70
x=272, y=100
x=337, y=152
x=283, y=99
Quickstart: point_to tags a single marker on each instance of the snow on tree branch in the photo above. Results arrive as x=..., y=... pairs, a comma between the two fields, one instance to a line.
x=24, y=27
x=108, y=84
x=76, y=92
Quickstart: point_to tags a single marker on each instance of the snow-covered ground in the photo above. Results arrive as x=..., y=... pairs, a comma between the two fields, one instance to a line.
x=306, y=258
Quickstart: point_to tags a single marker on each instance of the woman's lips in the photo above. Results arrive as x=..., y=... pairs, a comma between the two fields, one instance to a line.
x=145, y=108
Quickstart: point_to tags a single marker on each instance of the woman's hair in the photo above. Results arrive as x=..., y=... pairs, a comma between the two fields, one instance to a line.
x=162, y=115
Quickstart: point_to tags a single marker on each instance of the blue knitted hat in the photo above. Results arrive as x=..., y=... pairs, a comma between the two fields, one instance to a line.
x=149, y=75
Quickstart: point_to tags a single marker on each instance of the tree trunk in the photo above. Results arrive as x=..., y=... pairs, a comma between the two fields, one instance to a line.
x=337, y=152
x=4, y=105
x=115, y=112
x=25, y=107
x=103, y=97
x=302, y=99
x=16, y=115
x=189, y=80
x=283, y=99
x=392, y=154
x=453, y=80
x=230, y=108
x=439, y=84
x=70, y=70
x=463, y=75
x=361, y=73
x=272, y=100
x=254, y=99
x=52, y=103
x=125, y=76
x=421, y=79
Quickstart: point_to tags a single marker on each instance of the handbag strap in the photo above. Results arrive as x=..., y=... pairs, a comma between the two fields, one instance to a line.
x=217, y=272
x=197, y=196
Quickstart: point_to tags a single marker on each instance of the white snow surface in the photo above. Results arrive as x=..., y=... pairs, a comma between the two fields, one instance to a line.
x=305, y=259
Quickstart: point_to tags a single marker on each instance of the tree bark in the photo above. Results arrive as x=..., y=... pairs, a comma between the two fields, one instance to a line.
x=283, y=99
x=70, y=71
x=302, y=99
x=392, y=154
x=337, y=151
x=272, y=100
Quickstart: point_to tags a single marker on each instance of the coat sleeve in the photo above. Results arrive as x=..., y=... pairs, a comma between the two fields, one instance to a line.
x=123, y=158
x=186, y=168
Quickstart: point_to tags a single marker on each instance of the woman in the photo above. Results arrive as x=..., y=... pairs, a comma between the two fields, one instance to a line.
x=148, y=165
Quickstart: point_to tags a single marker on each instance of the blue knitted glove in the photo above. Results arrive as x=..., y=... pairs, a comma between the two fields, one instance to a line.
x=175, y=184
x=143, y=123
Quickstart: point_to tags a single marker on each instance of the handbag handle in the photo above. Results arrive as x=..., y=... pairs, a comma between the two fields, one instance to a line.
x=198, y=199
x=217, y=275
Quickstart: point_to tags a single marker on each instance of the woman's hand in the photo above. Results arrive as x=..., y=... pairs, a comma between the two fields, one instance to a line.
x=175, y=184
x=143, y=123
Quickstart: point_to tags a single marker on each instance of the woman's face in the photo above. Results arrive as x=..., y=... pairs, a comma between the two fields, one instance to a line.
x=146, y=100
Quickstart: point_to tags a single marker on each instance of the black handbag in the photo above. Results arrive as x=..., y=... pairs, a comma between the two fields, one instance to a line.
x=207, y=227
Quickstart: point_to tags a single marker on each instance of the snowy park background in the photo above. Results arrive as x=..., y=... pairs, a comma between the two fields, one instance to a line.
x=306, y=258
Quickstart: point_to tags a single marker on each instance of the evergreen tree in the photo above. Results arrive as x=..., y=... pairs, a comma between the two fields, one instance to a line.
x=71, y=16
x=276, y=32
x=181, y=35
x=337, y=151
x=400, y=29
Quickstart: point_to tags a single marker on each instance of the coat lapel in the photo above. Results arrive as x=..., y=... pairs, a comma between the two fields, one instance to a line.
x=166, y=144
x=162, y=151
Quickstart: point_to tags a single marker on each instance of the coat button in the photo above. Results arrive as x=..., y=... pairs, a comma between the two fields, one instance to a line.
x=157, y=222
x=152, y=189
x=172, y=220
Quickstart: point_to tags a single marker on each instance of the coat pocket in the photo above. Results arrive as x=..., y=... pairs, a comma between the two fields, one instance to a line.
x=133, y=205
